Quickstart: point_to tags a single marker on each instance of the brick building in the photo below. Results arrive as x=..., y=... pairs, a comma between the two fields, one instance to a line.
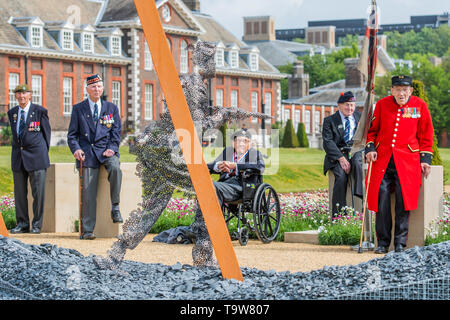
x=54, y=48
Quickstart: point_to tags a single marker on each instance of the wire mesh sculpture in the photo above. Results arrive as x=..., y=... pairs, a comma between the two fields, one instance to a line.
x=162, y=167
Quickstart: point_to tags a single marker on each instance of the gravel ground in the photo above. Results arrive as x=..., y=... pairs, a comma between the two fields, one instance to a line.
x=47, y=271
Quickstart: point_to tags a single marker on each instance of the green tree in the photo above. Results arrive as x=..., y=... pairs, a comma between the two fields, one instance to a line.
x=289, y=137
x=301, y=136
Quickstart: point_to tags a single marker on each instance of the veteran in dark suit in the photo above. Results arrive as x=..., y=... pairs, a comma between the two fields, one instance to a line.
x=29, y=158
x=94, y=138
x=337, y=134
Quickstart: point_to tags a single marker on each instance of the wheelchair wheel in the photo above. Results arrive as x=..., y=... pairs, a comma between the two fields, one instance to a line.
x=267, y=213
x=243, y=236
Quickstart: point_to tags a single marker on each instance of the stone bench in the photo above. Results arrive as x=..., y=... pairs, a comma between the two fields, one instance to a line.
x=62, y=199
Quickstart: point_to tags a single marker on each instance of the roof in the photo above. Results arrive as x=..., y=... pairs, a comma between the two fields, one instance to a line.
x=63, y=13
x=280, y=52
x=215, y=32
x=328, y=95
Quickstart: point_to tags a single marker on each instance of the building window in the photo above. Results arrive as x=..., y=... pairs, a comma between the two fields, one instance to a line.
x=36, y=37
x=85, y=93
x=14, y=79
x=115, y=46
x=219, y=97
x=254, y=65
x=116, y=94
x=148, y=61
x=88, y=42
x=254, y=105
x=287, y=114
x=268, y=105
x=184, y=66
x=317, y=128
x=307, y=121
x=67, y=95
x=234, y=59
x=220, y=58
x=67, y=40
x=296, y=119
x=234, y=98
x=36, y=87
x=148, y=103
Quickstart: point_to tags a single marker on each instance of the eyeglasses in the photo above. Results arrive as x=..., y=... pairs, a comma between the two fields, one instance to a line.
x=401, y=90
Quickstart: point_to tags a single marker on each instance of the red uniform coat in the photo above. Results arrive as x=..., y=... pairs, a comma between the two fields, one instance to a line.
x=406, y=133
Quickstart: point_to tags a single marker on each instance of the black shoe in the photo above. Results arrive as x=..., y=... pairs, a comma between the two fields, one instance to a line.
x=19, y=229
x=35, y=230
x=381, y=249
x=399, y=248
x=87, y=236
x=116, y=217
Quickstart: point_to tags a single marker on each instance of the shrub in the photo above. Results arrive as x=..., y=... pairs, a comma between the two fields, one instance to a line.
x=289, y=138
x=301, y=136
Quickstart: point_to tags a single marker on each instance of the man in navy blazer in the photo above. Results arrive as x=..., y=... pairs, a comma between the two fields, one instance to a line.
x=94, y=138
x=337, y=134
x=29, y=158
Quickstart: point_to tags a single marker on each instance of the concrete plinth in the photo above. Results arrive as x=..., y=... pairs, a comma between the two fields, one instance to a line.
x=429, y=208
x=309, y=236
x=358, y=204
x=62, y=199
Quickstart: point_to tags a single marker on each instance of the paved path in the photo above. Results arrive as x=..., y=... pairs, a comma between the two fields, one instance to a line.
x=278, y=256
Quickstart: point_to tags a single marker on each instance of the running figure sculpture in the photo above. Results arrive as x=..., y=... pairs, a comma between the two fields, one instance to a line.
x=162, y=168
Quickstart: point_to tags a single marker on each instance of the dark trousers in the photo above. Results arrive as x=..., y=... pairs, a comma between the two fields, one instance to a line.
x=90, y=184
x=383, y=221
x=227, y=191
x=341, y=179
x=37, y=183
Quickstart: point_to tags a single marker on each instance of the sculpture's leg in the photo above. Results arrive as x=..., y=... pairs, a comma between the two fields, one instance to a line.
x=202, y=252
x=135, y=228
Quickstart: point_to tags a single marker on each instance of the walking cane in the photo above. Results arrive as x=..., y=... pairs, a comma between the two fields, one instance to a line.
x=80, y=225
x=360, y=250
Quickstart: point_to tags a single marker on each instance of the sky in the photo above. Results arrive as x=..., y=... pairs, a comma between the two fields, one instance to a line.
x=296, y=13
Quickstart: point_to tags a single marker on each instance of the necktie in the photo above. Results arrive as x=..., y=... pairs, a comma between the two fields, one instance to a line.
x=21, y=123
x=95, y=117
x=347, y=129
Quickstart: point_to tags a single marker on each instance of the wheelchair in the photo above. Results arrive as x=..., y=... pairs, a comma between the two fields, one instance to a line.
x=258, y=211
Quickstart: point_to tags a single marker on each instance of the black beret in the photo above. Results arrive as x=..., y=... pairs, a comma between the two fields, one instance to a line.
x=242, y=133
x=93, y=79
x=402, y=81
x=346, y=97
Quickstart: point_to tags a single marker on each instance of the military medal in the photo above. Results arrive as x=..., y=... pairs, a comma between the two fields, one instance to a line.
x=15, y=117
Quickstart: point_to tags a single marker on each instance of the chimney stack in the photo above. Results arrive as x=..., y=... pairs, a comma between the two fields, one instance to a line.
x=298, y=84
x=193, y=5
x=353, y=77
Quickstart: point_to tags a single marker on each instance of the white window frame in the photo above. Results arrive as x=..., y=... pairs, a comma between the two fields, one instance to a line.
x=254, y=62
x=36, y=87
x=67, y=95
x=307, y=121
x=88, y=44
x=148, y=101
x=13, y=82
x=268, y=105
x=148, y=60
x=254, y=103
x=234, y=98
x=296, y=119
x=287, y=114
x=36, y=39
x=234, y=59
x=220, y=58
x=66, y=39
x=219, y=97
x=317, y=117
x=115, y=45
x=116, y=90
x=184, y=55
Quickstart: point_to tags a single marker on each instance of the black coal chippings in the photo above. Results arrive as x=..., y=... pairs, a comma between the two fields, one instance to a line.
x=48, y=272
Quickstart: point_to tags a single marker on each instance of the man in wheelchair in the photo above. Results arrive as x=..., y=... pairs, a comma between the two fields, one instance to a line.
x=233, y=163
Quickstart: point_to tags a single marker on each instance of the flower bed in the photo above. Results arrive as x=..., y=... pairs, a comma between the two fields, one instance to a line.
x=8, y=210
